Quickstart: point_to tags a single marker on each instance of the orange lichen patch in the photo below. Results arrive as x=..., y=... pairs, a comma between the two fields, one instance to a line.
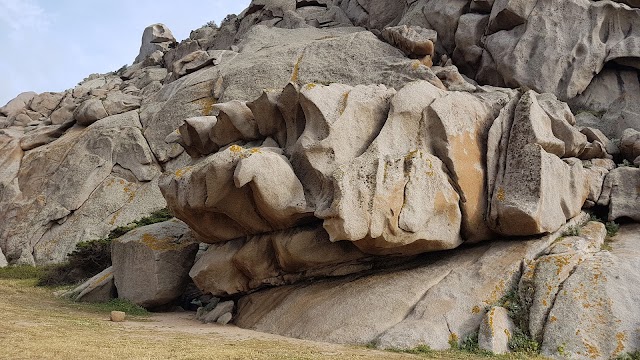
x=561, y=262
x=255, y=151
x=620, y=340
x=454, y=338
x=296, y=69
x=181, y=172
x=103, y=278
x=207, y=105
x=236, y=149
x=154, y=243
x=592, y=350
x=496, y=293
x=501, y=194
x=544, y=302
x=476, y=309
x=508, y=333
x=310, y=86
x=343, y=103
x=114, y=218
x=553, y=319
x=415, y=64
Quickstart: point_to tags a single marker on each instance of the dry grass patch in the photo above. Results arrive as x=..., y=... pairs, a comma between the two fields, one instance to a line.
x=36, y=325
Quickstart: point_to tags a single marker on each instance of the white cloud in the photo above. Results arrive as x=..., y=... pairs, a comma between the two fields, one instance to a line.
x=22, y=16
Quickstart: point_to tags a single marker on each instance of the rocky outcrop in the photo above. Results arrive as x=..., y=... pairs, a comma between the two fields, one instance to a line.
x=323, y=166
x=436, y=299
x=151, y=263
x=605, y=324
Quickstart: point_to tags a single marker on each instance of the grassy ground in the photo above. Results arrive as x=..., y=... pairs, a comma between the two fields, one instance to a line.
x=36, y=325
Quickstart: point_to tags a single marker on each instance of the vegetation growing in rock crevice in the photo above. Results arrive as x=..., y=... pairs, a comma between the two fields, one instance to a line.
x=91, y=257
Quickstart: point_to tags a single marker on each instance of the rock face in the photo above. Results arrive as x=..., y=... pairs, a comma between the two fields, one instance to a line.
x=151, y=263
x=437, y=299
x=333, y=153
x=605, y=325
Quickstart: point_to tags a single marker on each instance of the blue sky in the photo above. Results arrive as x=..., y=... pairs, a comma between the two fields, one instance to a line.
x=51, y=45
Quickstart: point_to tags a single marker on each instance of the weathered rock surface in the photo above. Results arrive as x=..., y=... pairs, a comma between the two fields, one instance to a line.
x=94, y=179
x=496, y=330
x=435, y=299
x=594, y=315
x=319, y=161
x=275, y=259
x=151, y=263
x=156, y=37
x=99, y=288
x=526, y=146
x=621, y=192
x=630, y=146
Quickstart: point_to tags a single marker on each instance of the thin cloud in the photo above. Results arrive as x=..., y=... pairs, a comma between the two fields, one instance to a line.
x=23, y=16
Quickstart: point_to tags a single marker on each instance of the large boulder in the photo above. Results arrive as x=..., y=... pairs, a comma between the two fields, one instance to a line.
x=535, y=185
x=595, y=315
x=156, y=37
x=561, y=57
x=621, y=192
x=151, y=264
x=275, y=259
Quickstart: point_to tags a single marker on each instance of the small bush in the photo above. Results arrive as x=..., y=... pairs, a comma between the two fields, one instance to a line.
x=21, y=272
x=572, y=231
x=120, y=305
x=470, y=344
x=523, y=343
x=612, y=229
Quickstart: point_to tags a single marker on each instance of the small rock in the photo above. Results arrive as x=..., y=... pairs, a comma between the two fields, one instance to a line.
x=220, y=309
x=3, y=260
x=118, y=316
x=496, y=330
x=224, y=319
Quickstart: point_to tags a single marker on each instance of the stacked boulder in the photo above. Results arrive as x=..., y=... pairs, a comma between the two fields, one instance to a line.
x=422, y=159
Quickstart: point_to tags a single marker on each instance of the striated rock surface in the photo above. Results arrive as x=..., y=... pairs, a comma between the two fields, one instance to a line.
x=318, y=150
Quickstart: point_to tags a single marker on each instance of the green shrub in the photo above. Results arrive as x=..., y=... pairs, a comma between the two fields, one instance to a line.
x=572, y=231
x=612, y=228
x=470, y=344
x=523, y=343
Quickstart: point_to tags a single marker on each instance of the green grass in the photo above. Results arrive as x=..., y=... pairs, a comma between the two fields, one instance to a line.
x=572, y=231
x=117, y=305
x=630, y=356
x=21, y=272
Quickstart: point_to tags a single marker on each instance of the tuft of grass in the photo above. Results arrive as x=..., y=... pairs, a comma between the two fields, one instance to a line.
x=612, y=229
x=21, y=272
x=630, y=356
x=572, y=231
x=523, y=343
x=118, y=305
x=418, y=350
